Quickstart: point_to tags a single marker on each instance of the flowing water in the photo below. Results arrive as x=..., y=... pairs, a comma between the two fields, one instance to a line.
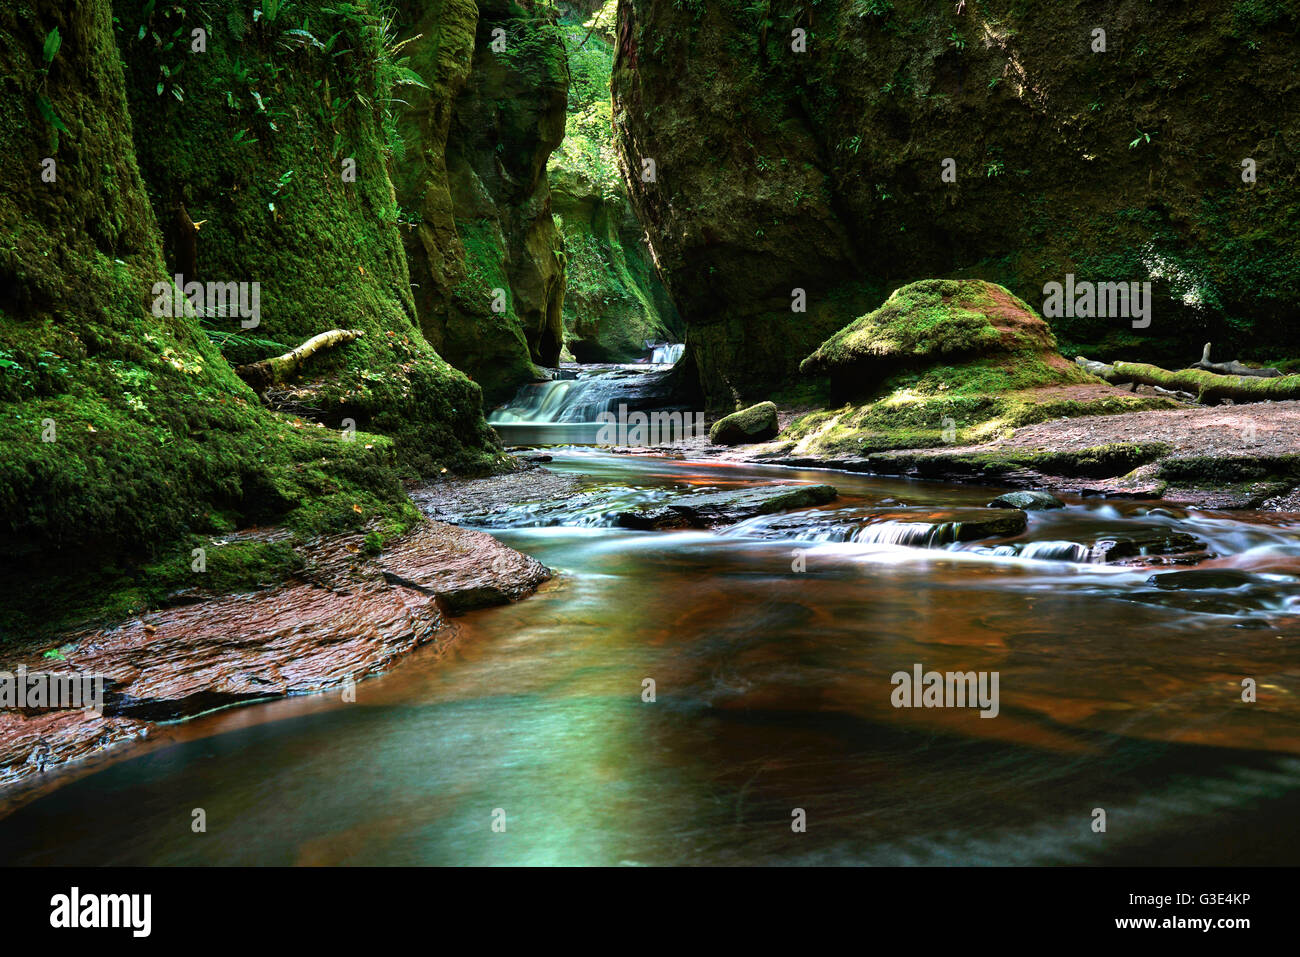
x=771, y=645
x=569, y=411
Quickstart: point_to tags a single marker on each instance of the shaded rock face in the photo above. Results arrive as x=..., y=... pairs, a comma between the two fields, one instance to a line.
x=821, y=170
x=754, y=424
x=349, y=618
x=486, y=257
x=614, y=302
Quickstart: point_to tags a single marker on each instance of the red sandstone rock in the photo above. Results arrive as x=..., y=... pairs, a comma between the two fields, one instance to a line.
x=353, y=618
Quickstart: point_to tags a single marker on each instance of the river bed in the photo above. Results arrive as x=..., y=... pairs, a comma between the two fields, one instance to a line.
x=771, y=646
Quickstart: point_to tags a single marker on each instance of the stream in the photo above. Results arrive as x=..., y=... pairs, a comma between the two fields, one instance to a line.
x=771, y=644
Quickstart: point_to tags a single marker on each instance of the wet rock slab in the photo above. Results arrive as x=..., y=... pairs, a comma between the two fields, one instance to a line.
x=713, y=509
x=353, y=617
x=30, y=743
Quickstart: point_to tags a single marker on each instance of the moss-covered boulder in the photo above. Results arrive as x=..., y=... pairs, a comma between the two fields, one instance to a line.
x=946, y=362
x=1029, y=500
x=754, y=424
x=487, y=261
x=822, y=168
x=937, y=322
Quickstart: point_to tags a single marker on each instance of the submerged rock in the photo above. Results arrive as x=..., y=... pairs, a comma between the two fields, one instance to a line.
x=754, y=424
x=1142, y=543
x=1030, y=501
x=1205, y=578
x=710, y=509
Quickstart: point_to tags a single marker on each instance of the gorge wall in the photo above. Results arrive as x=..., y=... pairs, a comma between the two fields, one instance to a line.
x=487, y=262
x=614, y=300
x=822, y=170
x=259, y=146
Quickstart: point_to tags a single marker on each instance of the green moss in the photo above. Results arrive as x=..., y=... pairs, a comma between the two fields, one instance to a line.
x=943, y=363
x=1208, y=386
x=473, y=187
x=930, y=320
x=128, y=439
x=754, y=424
x=1215, y=472
x=43, y=602
x=1102, y=461
x=255, y=149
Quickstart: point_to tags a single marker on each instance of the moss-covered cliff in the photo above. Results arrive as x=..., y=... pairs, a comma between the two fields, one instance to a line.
x=132, y=156
x=821, y=168
x=614, y=301
x=486, y=258
x=277, y=139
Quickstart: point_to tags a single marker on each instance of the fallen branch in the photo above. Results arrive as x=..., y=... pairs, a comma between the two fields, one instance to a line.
x=260, y=375
x=1232, y=368
x=1208, y=387
x=1101, y=370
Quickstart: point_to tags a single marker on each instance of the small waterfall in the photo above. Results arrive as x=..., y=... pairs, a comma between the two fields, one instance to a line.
x=914, y=534
x=566, y=400
x=570, y=411
x=667, y=354
x=1057, y=552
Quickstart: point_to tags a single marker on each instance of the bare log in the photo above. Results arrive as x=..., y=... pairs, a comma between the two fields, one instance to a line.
x=1232, y=368
x=1101, y=370
x=260, y=375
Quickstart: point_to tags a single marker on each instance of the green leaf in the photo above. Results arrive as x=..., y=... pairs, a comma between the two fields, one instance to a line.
x=47, y=110
x=52, y=43
x=405, y=76
x=160, y=89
